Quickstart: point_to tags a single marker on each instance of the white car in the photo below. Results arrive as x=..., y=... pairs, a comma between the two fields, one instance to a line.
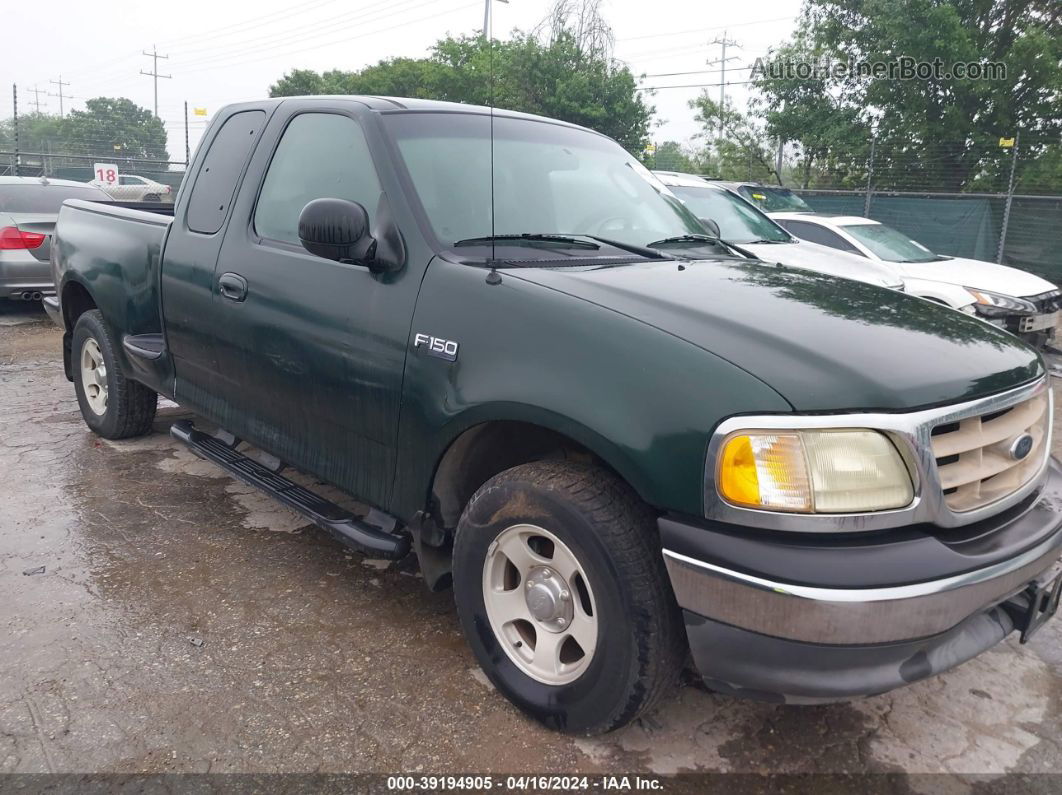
x=745, y=225
x=134, y=188
x=1013, y=299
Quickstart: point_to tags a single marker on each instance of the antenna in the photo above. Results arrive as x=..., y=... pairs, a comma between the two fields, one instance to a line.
x=488, y=34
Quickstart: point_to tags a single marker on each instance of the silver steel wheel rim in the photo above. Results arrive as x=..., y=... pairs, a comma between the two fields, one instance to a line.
x=540, y=604
x=94, y=376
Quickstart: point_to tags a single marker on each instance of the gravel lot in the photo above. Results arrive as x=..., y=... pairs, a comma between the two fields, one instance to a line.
x=185, y=622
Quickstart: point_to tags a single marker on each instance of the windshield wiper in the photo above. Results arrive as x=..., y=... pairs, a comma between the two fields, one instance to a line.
x=765, y=240
x=530, y=237
x=642, y=251
x=684, y=239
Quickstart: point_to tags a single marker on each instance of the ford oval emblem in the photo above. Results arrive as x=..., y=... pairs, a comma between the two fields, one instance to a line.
x=1021, y=447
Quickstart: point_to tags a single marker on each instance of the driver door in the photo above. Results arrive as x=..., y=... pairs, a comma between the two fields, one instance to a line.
x=308, y=350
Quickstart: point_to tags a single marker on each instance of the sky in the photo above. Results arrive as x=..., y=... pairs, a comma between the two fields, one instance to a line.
x=230, y=52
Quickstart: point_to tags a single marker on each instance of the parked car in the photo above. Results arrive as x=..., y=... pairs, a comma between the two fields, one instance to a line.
x=1013, y=299
x=485, y=327
x=134, y=188
x=28, y=209
x=742, y=224
x=769, y=198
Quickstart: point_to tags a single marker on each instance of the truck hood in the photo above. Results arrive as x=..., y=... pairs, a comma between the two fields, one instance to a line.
x=823, y=259
x=978, y=274
x=823, y=343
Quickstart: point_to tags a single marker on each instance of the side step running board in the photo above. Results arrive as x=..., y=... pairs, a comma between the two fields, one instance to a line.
x=340, y=523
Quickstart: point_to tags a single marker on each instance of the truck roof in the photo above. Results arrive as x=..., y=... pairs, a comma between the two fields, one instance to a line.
x=394, y=104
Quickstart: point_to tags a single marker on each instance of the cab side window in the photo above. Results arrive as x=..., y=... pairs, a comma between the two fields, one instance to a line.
x=215, y=184
x=821, y=235
x=320, y=155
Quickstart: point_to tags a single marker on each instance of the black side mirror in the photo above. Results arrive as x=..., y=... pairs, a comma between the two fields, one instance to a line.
x=337, y=229
x=709, y=224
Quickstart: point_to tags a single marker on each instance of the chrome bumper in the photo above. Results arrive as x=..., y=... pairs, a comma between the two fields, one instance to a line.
x=851, y=616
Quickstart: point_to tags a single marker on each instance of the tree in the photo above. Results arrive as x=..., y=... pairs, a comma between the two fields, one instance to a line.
x=671, y=156
x=832, y=136
x=742, y=152
x=37, y=132
x=106, y=128
x=115, y=125
x=556, y=78
x=942, y=129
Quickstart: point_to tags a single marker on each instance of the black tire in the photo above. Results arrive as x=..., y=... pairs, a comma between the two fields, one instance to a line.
x=152, y=197
x=130, y=406
x=641, y=643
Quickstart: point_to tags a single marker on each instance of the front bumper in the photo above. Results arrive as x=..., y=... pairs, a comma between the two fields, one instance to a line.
x=802, y=621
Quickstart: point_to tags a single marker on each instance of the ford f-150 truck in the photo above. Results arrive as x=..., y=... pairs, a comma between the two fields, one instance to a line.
x=619, y=440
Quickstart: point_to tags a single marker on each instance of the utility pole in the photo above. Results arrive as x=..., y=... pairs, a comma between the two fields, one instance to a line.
x=60, y=82
x=724, y=42
x=37, y=97
x=187, y=151
x=154, y=73
x=1010, y=199
x=14, y=99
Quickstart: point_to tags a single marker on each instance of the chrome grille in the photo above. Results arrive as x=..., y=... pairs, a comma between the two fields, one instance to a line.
x=975, y=459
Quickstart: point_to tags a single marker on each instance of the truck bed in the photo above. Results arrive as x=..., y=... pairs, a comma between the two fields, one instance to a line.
x=103, y=244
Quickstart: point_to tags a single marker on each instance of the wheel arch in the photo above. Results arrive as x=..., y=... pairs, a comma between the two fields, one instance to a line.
x=482, y=446
x=74, y=301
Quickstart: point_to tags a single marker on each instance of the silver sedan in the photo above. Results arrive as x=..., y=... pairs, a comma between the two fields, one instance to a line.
x=29, y=207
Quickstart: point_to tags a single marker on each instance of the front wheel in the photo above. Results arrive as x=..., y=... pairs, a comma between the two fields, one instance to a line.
x=563, y=596
x=112, y=405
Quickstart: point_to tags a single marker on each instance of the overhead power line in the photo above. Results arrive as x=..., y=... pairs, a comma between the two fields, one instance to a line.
x=706, y=30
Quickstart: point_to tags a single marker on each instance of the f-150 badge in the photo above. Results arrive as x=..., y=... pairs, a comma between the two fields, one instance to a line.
x=436, y=346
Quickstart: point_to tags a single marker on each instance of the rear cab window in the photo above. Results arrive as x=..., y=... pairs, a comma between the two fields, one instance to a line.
x=215, y=184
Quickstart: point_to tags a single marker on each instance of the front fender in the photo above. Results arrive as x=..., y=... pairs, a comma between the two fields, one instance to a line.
x=641, y=399
x=949, y=294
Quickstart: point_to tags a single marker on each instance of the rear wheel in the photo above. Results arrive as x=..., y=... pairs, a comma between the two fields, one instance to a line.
x=111, y=404
x=152, y=197
x=563, y=596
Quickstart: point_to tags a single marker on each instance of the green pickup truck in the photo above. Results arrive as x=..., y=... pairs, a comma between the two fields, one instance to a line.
x=620, y=440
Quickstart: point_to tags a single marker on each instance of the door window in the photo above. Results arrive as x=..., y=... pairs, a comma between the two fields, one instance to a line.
x=320, y=155
x=821, y=235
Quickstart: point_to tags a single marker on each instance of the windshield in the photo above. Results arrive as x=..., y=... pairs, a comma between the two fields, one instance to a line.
x=888, y=244
x=44, y=198
x=739, y=221
x=773, y=200
x=548, y=179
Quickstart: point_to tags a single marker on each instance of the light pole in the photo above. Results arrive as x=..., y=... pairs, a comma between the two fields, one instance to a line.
x=486, y=17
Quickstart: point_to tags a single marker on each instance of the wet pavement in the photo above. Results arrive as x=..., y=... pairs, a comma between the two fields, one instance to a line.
x=157, y=616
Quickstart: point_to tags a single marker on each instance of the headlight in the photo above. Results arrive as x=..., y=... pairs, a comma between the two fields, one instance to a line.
x=996, y=304
x=842, y=471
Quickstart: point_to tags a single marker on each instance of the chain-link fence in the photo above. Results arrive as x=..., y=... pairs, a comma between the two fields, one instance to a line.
x=80, y=168
x=133, y=145
x=997, y=199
